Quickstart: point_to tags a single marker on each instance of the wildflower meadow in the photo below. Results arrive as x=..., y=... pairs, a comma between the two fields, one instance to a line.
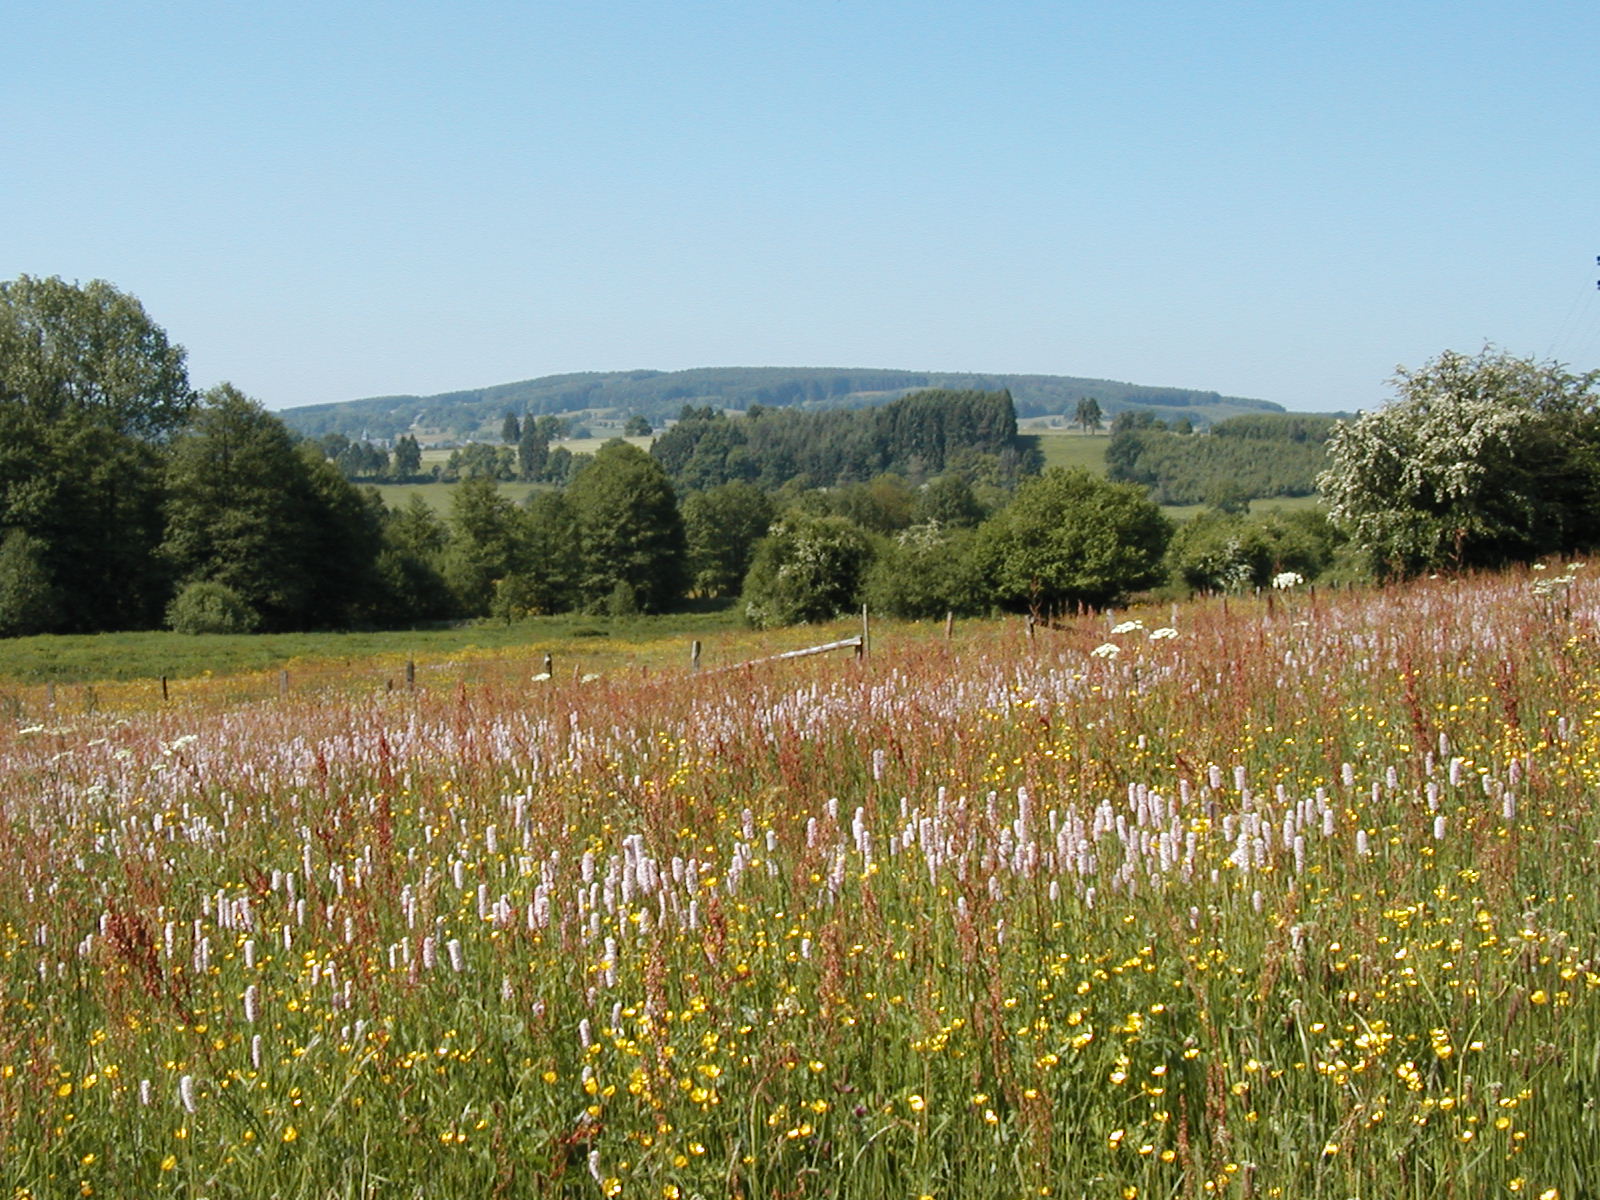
x=1293, y=896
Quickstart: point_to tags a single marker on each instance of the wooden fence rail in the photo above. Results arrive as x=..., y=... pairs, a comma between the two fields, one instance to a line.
x=853, y=643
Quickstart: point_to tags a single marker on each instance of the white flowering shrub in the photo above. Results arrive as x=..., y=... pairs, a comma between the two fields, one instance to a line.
x=1478, y=461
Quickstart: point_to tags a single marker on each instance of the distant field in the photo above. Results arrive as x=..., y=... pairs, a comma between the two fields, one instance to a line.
x=1182, y=512
x=396, y=495
x=1060, y=447
x=1068, y=448
x=589, y=643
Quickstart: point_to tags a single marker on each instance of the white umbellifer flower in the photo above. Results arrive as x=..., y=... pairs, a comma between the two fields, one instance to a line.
x=1287, y=579
x=1106, y=650
x=1127, y=627
x=1166, y=631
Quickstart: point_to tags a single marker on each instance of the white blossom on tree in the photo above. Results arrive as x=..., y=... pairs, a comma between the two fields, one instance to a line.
x=1478, y=461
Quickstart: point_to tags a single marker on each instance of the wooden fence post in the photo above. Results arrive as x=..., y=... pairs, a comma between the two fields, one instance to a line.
x=163, y=687
x=694, y=655
x=283, y=683
x=949, y=625
x=411, y=675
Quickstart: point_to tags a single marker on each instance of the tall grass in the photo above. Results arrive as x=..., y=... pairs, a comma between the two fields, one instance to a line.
x=1293, y=901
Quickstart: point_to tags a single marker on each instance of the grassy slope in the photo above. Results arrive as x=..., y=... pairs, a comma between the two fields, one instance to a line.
x=395, y=495
x=1064, y=448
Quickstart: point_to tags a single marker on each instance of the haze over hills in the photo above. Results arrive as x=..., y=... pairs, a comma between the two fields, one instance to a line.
x=660, y=395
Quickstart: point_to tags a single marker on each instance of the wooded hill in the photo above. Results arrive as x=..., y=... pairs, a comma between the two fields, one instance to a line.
x=916, y=436
x=660, y=395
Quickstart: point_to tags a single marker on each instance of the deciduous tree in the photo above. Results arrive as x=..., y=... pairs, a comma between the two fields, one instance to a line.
x=1069, y=538
x=90, y=389
x=722, y=527
x=809, y=568
x=629, y=528
x=1479, y=460
x=280, y=528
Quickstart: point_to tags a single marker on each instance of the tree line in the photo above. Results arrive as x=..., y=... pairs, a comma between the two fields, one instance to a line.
x=129, y=501
x=659, y=395
x=918, y=436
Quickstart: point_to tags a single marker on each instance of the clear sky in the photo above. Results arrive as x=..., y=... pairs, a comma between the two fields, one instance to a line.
x=1283, y=200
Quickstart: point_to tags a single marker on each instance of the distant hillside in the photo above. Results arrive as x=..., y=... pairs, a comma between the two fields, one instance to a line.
x=1261, y=455
x=660, y=395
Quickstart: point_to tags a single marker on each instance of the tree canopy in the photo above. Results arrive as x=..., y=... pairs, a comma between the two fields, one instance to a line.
x=90, y=350
x=89, y=388
x=1069, y=538
x=1478, y=461
x=917, y=436
x=629, y=530
x=1270, y=454
x=809, y=568
x=282, y=530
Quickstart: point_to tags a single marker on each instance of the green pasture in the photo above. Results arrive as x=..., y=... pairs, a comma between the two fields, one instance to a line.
x=582, y=641
x=1070, y=448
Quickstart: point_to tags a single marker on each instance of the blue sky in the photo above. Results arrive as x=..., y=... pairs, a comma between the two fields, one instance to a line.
x=329, y=200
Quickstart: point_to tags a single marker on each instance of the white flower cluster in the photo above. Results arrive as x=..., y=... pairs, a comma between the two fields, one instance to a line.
x=1548, y=586
x=1112, y=649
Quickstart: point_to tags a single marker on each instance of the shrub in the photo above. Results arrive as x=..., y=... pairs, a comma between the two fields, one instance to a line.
x=808, y=568
x=1069, y=538
x=208, y=607
x=927, y=572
